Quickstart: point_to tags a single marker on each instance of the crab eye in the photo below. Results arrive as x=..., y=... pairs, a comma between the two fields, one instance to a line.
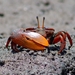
x=23, y=30
x=27, y=38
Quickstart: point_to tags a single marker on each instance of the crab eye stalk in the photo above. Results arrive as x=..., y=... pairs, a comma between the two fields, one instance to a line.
x=43, y=22
x=38, y=21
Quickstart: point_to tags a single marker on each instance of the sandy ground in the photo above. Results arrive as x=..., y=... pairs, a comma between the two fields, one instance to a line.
x=16, y=14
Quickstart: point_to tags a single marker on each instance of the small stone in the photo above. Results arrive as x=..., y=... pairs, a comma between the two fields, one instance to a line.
x=31, y=52
x=73, y=71
x=73, y=58
x=46, y=3
x=53, y=59
x=1, y=15
x=2, y=63
x=53, y=54
x=32, y=74
x=66, y=23
x=35, y=54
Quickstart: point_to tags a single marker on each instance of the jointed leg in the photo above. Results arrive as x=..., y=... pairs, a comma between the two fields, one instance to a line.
x=8, y=41
x=65, y=34
x=70, y=40
x=13, y=47
x=62, y=34
x=63, y=40
x=59, y=38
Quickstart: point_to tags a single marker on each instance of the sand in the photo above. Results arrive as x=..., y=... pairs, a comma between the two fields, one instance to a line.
x=16, y=14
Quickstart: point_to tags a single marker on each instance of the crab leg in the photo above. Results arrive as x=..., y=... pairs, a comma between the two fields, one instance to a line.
x=62, y=34
x=13, y=47
x=59, y=38
x=8, y=41
x=70, y=40
x=30, y=29
x=65, y=34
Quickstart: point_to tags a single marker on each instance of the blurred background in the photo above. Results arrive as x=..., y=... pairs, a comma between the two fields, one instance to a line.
x=16, y=14
x=59, y=14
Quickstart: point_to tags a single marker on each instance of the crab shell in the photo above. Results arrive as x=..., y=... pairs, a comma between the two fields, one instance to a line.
x=30, y=40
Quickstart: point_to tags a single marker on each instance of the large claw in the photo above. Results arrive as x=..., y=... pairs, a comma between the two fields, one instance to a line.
x=36, y=37
x=31, y=40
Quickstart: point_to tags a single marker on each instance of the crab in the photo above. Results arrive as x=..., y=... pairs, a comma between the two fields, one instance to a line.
x=38, y=38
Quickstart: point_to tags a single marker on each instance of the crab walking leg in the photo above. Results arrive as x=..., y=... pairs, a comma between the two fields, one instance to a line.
x=13, y=47
x=70, y=40
x=62, y=34
x=30, y=29
x=8, y=41
x=65, y=34
x=59, y=38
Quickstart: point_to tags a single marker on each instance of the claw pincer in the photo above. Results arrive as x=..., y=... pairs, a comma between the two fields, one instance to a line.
x=31, y=40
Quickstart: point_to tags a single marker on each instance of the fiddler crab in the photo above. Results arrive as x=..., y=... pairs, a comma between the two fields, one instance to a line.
x=38, y=39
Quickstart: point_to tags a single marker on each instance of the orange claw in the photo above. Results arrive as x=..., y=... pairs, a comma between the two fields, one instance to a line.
x=37, y=38
x=31, y=40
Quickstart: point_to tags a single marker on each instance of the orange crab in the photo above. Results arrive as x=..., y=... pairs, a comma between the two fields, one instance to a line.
x=38, y=38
